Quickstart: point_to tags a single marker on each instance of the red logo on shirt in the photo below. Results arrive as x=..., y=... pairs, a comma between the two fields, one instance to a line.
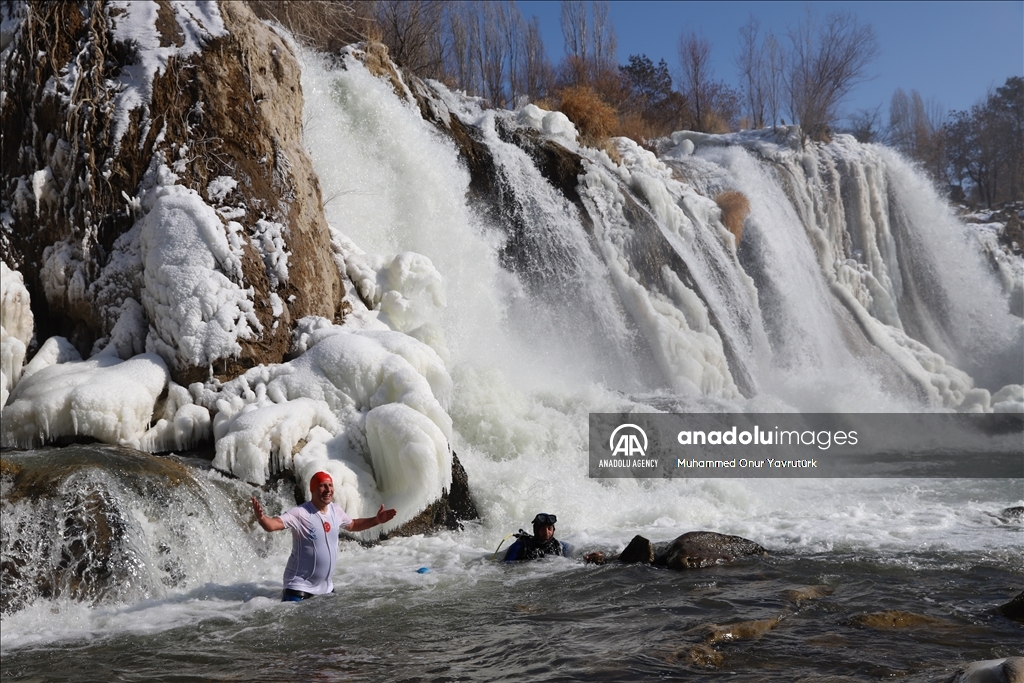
x=327, y=527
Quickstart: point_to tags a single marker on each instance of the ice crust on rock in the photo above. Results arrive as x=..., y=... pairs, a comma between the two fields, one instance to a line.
x=16, y=324
x=197, y=310
x=553, y=124
x=352, y=392
x=103, y=397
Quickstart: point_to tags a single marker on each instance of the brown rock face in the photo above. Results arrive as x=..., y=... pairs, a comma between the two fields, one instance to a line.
x=71, y=167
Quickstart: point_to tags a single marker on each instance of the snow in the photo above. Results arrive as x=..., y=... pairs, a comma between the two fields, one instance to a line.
x=553, y=124
x=134, y=22
x=103, y=397
x=219, y=188
x=62, y=275
x=16, y=324
x=268, y=238
x=352, y=393
x=197, y=310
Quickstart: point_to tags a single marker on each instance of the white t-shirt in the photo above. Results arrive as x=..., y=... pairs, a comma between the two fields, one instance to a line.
x=314, y=546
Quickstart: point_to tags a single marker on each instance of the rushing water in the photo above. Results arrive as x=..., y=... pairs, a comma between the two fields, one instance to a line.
x=839, y=551
x=195, y=587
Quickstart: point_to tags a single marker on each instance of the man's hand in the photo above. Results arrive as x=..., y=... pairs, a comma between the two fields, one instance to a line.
x=268, y=523
x=383, y=515
x=364, y=523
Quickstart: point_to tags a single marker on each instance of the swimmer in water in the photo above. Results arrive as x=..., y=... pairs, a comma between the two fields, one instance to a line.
x=315, y=526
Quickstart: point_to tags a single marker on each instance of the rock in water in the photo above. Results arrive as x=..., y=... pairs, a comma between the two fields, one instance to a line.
x=895, y=620
x=1008, y=670
x=698, y=549
x=68, y=521
x=1014, y=609
x=639, y=550
x=1014, y=513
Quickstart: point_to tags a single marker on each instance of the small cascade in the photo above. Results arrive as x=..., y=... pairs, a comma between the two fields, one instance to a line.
x=130, y=527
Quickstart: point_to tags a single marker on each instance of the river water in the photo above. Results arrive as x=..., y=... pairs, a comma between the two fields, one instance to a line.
x=864, y=580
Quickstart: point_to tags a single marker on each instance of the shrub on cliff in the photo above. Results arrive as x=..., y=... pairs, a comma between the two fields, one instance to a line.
x=594, y=118
x=735, y=208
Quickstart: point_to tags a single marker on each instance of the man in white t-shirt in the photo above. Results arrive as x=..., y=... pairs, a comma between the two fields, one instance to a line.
x=314, y=526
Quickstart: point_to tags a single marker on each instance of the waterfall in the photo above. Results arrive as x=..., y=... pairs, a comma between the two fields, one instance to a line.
x=618, y=288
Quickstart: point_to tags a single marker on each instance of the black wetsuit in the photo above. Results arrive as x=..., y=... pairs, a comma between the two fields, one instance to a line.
x=529, y=548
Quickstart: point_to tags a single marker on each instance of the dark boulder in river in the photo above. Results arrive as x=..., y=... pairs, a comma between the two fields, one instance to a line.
x=639, y=550
x=1014, y=609
x=698, y=549
x=692, y=550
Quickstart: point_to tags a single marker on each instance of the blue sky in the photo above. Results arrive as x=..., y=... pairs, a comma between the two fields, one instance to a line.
x=952, y=52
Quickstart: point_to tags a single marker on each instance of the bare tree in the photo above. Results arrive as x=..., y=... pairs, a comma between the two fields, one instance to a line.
x=913, y=124
x=751, y=64
x=774, y=77
x=695, y=84
x=493, y=51
x=414, y=32
x=575, y=29
x=515, y=41
x=461, y=29
x=602, y=50
x=985, y=145
x=534, y=68
x=826, y=62
x=866, y=125
x=326, y=25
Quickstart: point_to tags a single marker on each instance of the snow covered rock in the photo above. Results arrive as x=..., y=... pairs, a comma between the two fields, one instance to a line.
x=200, y=104
x=367, y=406
x=15, y=328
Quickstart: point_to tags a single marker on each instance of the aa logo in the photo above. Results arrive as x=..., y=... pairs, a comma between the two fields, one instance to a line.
x=629, y=441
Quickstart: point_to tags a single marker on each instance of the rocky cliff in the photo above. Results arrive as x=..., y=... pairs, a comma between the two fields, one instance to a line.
x=116, y=110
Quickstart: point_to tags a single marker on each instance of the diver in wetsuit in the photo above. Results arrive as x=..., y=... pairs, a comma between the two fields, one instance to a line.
x=540, y=544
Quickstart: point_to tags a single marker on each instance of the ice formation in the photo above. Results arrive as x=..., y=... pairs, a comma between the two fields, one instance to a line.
x=15, y=328
x=351, y=394
x=103, y=397
x=197, y=310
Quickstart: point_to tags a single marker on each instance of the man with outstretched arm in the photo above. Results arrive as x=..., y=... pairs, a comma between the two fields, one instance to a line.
x=314, y=526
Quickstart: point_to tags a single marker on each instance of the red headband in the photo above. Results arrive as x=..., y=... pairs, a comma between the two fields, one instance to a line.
x=319, y=478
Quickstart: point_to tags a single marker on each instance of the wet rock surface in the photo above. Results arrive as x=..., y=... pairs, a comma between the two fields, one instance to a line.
x=448, y=512
x=698, y=549
x=1014, y=609
x=639, y=550
x=66, y=519
x=1008, y=670
x=692, y=550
